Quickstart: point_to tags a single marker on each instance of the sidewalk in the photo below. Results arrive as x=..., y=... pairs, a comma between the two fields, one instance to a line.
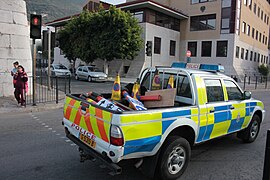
x=9, y=105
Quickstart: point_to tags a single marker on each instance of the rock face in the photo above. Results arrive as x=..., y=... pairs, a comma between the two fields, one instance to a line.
x=14, y=42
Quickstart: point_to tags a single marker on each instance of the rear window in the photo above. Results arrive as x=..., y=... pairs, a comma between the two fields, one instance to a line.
x=183, y=85
x=214, y=90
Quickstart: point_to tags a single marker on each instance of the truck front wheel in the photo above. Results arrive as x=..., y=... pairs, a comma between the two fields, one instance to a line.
x=173, y=159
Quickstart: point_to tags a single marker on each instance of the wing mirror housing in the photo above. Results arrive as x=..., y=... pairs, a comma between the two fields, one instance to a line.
x=247, y=95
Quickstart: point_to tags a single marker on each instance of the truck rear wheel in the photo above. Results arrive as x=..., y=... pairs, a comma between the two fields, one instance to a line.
x=173, y=159
x=251, y=132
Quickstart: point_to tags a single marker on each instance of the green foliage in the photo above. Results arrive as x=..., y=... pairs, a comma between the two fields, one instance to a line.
x=263, y=69
x=107, y=35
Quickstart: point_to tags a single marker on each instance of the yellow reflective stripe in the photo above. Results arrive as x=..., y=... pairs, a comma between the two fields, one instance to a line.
x=82, y=123
x=260, y=104
x=239, y=105
x=246, y=121
x=67, y=101
x=73, y=114
x=77, y=104
x=194, y=115
x=107, y=116
x=201, y=91
x=93, y=120
x=211, y=118
x=107, y=129
x=140, y=131
x=140, y=117
x=220, y=129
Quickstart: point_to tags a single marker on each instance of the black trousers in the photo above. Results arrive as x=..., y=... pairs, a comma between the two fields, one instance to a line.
x=19, y=94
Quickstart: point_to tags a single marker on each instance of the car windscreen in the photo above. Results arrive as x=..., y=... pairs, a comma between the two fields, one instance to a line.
x=94, y=69
x=59, y=67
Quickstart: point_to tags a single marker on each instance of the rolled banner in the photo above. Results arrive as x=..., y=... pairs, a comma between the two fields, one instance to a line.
x=135, y=91
x=156, y=83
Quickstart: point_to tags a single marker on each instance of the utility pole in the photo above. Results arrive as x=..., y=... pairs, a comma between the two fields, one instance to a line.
x=49, y=59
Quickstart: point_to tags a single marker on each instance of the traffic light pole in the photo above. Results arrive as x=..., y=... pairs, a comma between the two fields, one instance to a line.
x=34, y=71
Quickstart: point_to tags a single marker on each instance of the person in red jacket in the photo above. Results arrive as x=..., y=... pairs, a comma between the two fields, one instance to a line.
x=21, y=79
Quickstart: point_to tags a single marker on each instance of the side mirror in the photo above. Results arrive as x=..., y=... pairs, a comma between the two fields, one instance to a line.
x=247, y=94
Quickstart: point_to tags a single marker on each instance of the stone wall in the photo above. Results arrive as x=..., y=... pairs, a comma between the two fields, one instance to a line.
x=14, y=42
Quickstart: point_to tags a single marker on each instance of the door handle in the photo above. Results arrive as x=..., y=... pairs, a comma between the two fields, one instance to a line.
x=212, y=111
x=232, y=107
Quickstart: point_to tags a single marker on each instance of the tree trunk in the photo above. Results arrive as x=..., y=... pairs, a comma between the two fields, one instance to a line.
x=105, y=67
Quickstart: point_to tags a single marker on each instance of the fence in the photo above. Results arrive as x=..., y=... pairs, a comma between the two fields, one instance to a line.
x=252, y=82
x=47, y=93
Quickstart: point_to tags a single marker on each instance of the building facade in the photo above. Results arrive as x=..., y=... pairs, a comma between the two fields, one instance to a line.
x=233, y=33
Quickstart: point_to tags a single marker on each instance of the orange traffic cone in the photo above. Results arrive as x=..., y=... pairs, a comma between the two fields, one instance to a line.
x=116, y=91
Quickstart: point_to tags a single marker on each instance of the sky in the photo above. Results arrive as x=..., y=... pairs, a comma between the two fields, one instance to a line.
x=114, y=1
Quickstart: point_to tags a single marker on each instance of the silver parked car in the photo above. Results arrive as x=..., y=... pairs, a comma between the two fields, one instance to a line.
x=90, y=73
x=59, y=70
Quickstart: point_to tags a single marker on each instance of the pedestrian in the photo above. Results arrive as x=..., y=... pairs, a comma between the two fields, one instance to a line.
x=14, y=71
x=20, y=85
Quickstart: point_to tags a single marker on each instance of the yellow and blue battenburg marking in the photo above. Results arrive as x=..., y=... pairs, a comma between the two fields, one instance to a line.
x=149, y=128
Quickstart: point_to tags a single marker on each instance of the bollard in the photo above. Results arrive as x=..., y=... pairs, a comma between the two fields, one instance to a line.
x=256, y=82
x=248, y=79
x=266, y=168
x=56, y=81
x=245, y=81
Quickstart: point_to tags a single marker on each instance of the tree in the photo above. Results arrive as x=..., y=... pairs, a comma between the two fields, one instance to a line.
x=106, y=34
x=263, y=69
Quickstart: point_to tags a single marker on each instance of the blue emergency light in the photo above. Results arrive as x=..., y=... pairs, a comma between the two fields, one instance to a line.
x=204, y=67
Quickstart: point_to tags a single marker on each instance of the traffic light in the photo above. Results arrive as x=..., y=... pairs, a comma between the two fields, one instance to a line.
x=149, y=48
x=35, y=26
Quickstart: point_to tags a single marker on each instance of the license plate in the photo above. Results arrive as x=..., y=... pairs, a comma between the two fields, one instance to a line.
x=101, y=78
x=88, y=141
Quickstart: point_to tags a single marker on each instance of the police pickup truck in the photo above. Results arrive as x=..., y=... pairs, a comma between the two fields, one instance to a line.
x=208, y=104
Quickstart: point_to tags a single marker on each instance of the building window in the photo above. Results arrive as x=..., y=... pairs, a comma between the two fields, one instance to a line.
x=248, y=30
x=163, y=20
x=242, y=53
x=255, y=8
x=246, y=56
x=200, y=1
x=205, y=22
x=172, y=48
x=226, y=3
x=265, y=17
x=267, y=20
x=262, y=15
x=222, y=47
x=157, y=45
x=225, y=18
x=255, y=56
x=250, y=4
x=263, y=39
x=192, y=46
x=251, y=55
x=259, y=11
x=243, y=27
x=138, y=16
x=237, y=51
x=257, y=35
x=262, y=58
x=245, y=2
x=206, y=48
x=260, y=37
x=258, y=57
x=253, y=32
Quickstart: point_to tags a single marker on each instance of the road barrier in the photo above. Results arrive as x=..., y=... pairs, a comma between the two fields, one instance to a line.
x=266, y=168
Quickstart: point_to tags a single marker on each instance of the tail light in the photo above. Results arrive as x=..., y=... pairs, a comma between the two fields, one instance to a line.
x=116, y=136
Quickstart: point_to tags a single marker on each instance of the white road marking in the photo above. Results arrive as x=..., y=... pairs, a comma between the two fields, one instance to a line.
x=58, y=134
x=73, y=144
x=67, y=140
x=46, y=126
x=50, y=128
x=54, y=131
x=43, y=124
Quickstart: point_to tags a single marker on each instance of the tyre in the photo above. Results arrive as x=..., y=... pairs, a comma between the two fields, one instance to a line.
x=173, y=159
x=251, y=132
x=76, y=77
x=89, y=79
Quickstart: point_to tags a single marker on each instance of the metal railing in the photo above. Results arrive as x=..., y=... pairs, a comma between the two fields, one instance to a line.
x=47, y=93
x=252, y=82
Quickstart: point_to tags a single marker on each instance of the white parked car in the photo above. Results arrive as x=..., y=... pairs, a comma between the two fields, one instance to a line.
x=90, y=73
x=59, y=70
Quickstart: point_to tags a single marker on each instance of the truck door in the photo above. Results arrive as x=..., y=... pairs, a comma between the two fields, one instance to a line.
x=239, y=109
x=218, y=121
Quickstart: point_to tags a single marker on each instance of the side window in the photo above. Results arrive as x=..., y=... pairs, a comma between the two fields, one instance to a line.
x=84, y=69
x=183, y=88
x=233, y=91
x=80, y=69
x=214, y=90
